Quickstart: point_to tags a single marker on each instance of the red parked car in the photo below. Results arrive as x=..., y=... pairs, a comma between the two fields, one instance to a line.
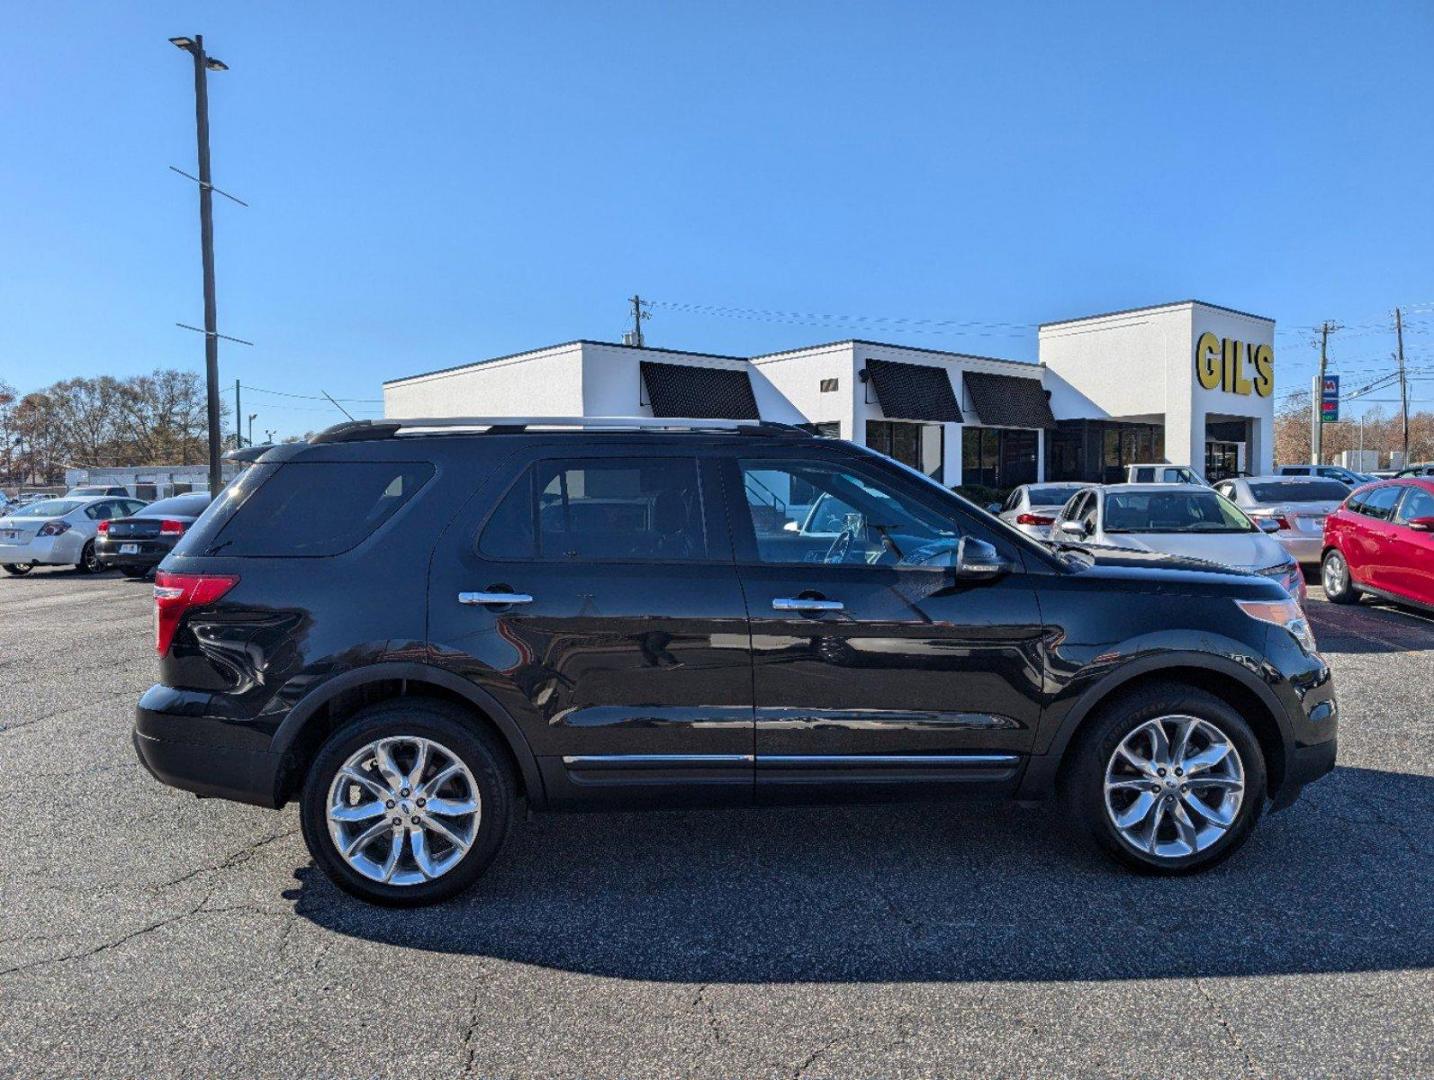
x=1381, y=541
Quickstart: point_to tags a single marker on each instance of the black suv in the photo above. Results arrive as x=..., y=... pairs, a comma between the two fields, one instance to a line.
x=414, y=628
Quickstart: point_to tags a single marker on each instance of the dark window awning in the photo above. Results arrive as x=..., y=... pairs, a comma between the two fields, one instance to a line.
x=1009, y=400
x=913, y=391
x=703, y=393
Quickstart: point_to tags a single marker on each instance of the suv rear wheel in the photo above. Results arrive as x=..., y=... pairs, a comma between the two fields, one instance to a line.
x=1339, y=587
x=1169, y=780
x=407, y=803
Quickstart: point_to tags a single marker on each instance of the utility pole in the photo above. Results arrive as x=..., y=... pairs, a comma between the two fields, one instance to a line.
x=1316, y=421
x=252, y=415
x=202, y=66
x=238, y=420
x=1403, y=391
x=638, y=314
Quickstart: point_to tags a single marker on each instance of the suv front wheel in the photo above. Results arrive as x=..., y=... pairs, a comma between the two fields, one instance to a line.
x=1170, y=780
x=407, y=803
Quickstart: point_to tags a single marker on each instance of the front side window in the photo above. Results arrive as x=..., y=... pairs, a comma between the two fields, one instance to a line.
x=1173, y=512
x=1379, y=503
x=1417, y=504
x=820, y=512
x=602, y=509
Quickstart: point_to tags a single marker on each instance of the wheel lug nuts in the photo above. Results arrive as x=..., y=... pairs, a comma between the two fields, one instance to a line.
x=422, y=802
x=389, y=804
x=1159, y=772
x=398, y=821
x=1184, y=788
x=1179, y=772
x=404, y=793
x=414, y=820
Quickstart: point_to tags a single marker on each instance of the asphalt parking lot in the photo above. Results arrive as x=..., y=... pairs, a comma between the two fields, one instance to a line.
x=147, y=933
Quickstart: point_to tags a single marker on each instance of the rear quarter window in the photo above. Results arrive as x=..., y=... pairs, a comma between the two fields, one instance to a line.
x=304, y=509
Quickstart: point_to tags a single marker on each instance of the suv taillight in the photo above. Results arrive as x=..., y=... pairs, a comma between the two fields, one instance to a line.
x=169, y=527
x=174, y=594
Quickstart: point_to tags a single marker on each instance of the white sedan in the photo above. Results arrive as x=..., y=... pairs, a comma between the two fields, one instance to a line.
x=58, y=532
x=1185, y=520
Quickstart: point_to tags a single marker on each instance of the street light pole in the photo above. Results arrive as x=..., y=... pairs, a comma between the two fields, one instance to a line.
x=202, y=66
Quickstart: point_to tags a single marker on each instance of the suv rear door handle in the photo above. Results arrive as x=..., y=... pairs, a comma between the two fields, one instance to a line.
x=805, y=603
x=494, y=598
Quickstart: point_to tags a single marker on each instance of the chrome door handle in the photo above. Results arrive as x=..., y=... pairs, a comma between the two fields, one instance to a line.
x=804, y=603
x=494, y=598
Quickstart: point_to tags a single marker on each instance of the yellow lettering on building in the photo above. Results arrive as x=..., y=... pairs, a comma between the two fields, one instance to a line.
x=1207, y=365
x=1228, y=364
x=1264, y=371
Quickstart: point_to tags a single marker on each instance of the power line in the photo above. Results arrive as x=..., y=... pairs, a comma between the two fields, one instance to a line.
x=313, y=397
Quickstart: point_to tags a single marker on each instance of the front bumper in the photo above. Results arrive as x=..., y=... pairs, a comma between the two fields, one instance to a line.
x=62, y=550
x=183, y=747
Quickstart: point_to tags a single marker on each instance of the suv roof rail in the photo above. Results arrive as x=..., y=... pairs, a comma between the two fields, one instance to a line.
x=361, y=430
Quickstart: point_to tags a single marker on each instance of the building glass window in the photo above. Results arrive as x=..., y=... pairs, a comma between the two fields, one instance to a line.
x=998, y=457
x=921, y=446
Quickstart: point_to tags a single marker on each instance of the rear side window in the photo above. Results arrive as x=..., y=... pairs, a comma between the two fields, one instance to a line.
x=601, y=509
x=314, y=508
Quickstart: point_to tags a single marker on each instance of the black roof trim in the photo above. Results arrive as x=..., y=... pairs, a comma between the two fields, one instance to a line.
x=1157, y=307
x=1009, y=400
x=699, y=392
x=560, y=345
x=913, y=391
x=897, y=345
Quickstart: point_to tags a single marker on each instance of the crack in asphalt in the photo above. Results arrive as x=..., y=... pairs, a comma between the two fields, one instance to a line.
x=234, y=858
x=1231, y=1035
x=811, y=1059
x=92, y=694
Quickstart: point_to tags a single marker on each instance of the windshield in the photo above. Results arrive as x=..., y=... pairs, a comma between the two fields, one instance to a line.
x=1042, y=495
x=1173, y=512
x=1300, y=491
x=50, y=508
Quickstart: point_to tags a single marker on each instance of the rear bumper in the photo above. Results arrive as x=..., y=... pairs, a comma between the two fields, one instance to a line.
x=150, y=553
x=62, y=550
x=1305, y=549
x=199, y=753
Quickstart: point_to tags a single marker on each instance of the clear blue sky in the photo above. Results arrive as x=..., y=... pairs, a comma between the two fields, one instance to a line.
x=432, y=184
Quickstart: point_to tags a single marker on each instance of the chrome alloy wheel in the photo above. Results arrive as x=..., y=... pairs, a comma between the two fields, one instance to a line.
x=1174, y=786
x=403, y=810
x=1335, y=573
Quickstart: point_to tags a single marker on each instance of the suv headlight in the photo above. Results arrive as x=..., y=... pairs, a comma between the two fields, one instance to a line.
x=1285, y=614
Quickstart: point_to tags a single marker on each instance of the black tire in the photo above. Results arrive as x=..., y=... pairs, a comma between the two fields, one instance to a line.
x=459, y=732
x=89, y=562
x=1334, y=571
x=134, y=571
x=18, y=569
x=1084, y=771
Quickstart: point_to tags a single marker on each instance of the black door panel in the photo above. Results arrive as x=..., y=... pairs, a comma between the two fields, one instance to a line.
x=630, y=679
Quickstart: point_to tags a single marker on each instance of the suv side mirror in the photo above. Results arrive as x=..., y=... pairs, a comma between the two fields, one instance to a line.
x=1072, y=528
x=1423, y=524
x=976, y=559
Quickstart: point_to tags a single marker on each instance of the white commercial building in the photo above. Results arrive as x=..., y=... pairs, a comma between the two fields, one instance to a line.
x=1189, y=383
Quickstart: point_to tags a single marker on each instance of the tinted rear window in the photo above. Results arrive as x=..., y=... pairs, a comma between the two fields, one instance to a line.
x=309, y=508
x=1300, y=491
x=1054, y=496
x=181, y=505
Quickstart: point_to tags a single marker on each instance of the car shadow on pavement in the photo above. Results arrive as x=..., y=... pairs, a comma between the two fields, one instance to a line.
x=1339, y=882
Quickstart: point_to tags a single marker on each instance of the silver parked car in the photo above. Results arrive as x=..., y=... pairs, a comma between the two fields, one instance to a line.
x=1032, y=508
x=58, y=532
x=1296, y=505
x=1185, y=520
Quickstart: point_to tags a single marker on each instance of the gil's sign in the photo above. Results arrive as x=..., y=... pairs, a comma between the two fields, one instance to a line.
x=1237, y=367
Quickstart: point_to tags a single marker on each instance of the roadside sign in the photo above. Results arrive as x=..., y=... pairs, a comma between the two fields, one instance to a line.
x=1329, y=400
